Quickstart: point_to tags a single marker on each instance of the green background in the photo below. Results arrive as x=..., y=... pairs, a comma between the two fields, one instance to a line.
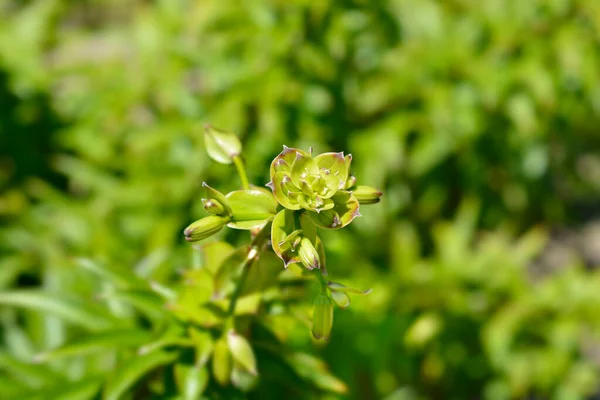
x=478, y=119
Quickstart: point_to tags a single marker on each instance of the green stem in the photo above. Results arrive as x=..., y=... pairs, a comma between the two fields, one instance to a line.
x=239, y=165
x=322, y=281
x=238, y=290
x=255, y=248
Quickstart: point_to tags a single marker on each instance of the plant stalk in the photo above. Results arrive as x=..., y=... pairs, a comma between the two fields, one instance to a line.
x=239, y=165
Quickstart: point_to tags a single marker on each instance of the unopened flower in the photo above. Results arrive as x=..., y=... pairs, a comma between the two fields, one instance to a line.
x=322, y=317
x=367, y=194
x=204, y=228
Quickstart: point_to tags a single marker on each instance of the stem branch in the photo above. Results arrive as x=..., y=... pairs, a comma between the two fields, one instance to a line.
x=239, y=165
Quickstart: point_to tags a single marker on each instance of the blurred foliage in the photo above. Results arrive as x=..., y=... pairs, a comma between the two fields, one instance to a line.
x=477, y=118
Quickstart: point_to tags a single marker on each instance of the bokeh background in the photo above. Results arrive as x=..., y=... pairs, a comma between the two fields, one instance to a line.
x=479, y=119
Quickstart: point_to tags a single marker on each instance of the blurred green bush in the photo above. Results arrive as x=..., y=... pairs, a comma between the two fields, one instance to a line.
x=478, y=119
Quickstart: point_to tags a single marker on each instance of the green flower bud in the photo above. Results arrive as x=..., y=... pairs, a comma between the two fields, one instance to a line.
x=351, y=181
x=222, y=146
x=367, y=194
x=204, y=228
x=322, y=317
x=214, y=207
x=308, y=254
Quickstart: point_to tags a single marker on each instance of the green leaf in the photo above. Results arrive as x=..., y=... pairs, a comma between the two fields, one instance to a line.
x=90, y=343
x=86, y=388
x=221, y=145
x=241, y=351
x=72, y=310
x=214, y=253
x=315, y=371
x=222, y=362
x=122, y=277
x=191, y=380
x=263, y=273
x=338, y=287
x=341, y=299
x=345, y=210
x=146, y=301
x=128, y=373
x=204, y=345
x=283, y=225
x=251, y=208
x=30, y=374
x=242, y=379
x=228, y=272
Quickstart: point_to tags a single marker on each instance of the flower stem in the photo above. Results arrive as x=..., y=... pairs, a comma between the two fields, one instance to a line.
x=322, y=281
x=239, y=165
x=257, y=243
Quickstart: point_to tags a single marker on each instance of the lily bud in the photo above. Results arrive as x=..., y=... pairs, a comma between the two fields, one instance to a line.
x=351, y=181
x=322, y=317
x=367, y=194
x=308, y=254
x=204, y=228
x=222, y=146
x=214, y=207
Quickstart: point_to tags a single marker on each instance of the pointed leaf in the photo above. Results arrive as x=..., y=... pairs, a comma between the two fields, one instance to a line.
x=315, y=371
x=70, y=309
x=251, y=208
x=341, y=299
x=222, y=362
x=103, y=341
x=338, y=287
x=191, y=380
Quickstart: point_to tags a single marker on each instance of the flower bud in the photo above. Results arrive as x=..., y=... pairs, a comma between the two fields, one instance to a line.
x=204, y=228
x=308, y=254
x=351, y=181
x=214, y=207
x=222, y=146
x=367, y=194
x=322, y=317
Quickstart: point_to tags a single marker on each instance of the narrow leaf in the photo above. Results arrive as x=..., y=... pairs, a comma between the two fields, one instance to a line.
x=128, y=373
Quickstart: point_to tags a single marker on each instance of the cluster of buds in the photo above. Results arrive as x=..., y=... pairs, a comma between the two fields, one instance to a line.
x=316, y=192
x=313, y=192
